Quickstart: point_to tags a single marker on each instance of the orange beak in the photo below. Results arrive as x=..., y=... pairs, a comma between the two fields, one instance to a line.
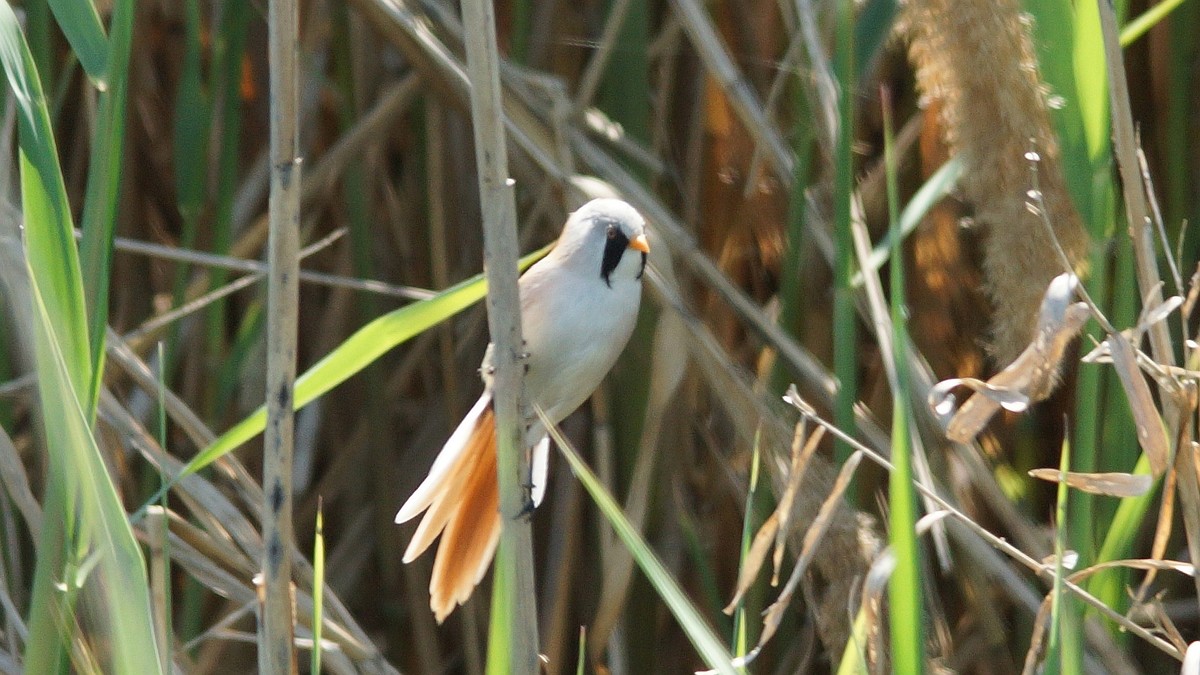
x=639, y=243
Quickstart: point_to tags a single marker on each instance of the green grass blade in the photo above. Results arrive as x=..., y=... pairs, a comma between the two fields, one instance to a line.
x=694, y=626
x=625, y=90
x=792, y=291
x=741, y=626
x=318, y=591
x=49, y=229
x=871, y=32
x=103, y=190
x=358, y=351
x=88, y=559
x=81, y=24
x=193, y=115
x=854, y=659
x=1071, y=60
x=581, y=661
x=904, y=586
x=1118, y=540
x=1091, y=88
x=87, y=556
x=845, y=319
x=1148, y=19
x=38, y=21
x=192, y=112
x=502, y=629
x=940, y=184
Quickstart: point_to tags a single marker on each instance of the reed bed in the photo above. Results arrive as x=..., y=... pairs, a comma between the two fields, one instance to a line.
x=914, y=386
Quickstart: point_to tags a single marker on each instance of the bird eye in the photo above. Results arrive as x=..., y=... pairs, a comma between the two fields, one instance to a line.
x=612, y=232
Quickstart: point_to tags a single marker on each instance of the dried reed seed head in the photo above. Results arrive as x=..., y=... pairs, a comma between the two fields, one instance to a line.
x=976, y=58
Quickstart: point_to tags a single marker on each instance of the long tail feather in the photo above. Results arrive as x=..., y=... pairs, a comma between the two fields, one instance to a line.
x=469, y=540
x=461, y=502
x=447, y=462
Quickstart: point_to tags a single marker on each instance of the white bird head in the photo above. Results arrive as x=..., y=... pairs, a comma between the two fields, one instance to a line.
x=605, y=238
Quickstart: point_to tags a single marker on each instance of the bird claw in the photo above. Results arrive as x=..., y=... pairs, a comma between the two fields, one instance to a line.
x=529, y=505
x=526, y=512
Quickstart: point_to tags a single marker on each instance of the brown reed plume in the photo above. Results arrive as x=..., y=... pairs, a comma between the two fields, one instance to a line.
x=975, y=58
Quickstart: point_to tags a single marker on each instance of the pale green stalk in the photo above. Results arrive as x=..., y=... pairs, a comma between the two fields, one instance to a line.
x=904, y=587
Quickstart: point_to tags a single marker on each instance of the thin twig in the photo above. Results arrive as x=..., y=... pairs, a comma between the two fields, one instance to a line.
x=243, y=265
x=1160, y=226
x=138, y=337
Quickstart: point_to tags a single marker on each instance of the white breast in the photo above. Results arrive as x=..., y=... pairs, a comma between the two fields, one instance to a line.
x=575, y=327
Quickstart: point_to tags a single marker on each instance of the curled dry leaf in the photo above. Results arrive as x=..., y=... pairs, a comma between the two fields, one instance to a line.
x=793, y=398
x=1107, y=484
x=1161, y=620
x=1101, y=353
x=776, y=528
x=1162, y=530
x=1031, y=377
x=1193, y=292
x=800, y=458
x=773, y=615
x=875, y=585
x=1120, y=350
x=1159, y=312
x=1144, y=564
x=754, y=559
x=942, y=399
x=1041, y=621
x=1151, y=433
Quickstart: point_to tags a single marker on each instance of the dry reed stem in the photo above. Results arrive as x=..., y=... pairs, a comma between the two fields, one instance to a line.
x=227, y=542
x=276, y=651
x=16, y=483
x=514, y=556
x=1176, y=405
x=741, y=95
x=1125, y=149
x=315, y=184
x=872, y=302
x=259, y=269
x=209, y=505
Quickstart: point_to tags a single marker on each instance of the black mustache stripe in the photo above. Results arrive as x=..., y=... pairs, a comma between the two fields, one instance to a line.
x=614, y=247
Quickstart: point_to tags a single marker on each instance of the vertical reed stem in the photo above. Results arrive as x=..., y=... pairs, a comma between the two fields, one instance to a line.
x=512, y=644
x=275, y=653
